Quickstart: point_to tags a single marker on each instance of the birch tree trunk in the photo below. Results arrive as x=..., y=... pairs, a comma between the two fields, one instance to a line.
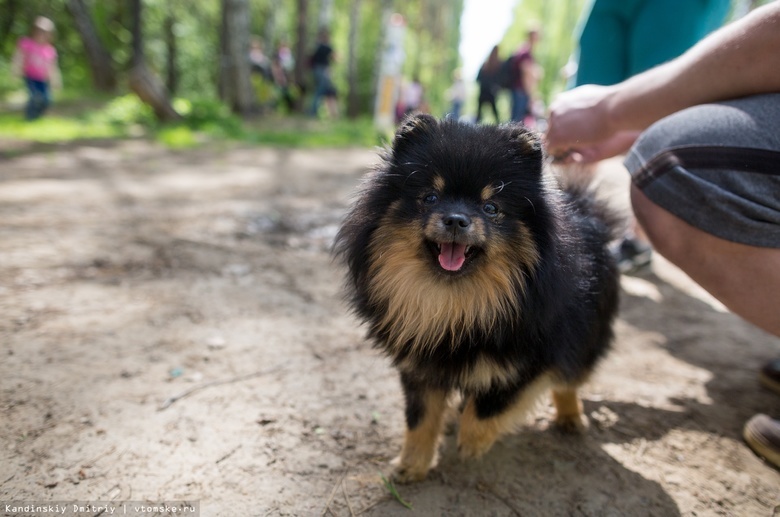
x=234, y=83
x=301, y=49
x=353, y=97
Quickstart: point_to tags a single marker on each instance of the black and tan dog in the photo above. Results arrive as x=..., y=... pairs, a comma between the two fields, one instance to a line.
x=476, y=272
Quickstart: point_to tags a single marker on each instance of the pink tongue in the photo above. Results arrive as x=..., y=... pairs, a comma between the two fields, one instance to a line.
x=452, y=256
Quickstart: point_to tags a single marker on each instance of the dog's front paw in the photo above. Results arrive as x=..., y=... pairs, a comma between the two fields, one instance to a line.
x=405, y=472
x=473, y=451
x=571, y=424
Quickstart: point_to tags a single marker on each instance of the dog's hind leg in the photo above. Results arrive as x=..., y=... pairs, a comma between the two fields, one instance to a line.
x=569, y=416
x=424, y=416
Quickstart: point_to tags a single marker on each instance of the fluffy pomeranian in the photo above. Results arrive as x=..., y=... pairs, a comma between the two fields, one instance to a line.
x=477, y=273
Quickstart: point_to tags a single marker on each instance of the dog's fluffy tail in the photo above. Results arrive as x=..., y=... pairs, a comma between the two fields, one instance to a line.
x=585, y=198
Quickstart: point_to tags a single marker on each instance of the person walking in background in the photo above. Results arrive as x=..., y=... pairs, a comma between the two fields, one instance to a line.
x=705, y=129
x=523, y=78
x=456, y=94
x=621, y=38
x=35, y=60
x=489, y=80
x=258, y=60
x=411, y=98
x=321, y=61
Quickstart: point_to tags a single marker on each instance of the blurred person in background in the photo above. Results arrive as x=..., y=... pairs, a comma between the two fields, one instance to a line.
x=489, y=80
x=523, y=77
x=35, y=60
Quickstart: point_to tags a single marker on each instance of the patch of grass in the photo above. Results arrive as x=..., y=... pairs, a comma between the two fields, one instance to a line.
x=202, y=120
x=177, y=137
x=296, y=131
x=51, y=129
x=394, y=492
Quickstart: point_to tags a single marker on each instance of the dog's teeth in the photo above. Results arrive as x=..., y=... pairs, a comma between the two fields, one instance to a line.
x=468, y=248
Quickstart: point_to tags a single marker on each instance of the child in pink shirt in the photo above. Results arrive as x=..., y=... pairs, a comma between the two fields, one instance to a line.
x=36, y=61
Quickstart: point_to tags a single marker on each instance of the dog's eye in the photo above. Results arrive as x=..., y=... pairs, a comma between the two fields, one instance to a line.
x=431, y=199
x=490, y=209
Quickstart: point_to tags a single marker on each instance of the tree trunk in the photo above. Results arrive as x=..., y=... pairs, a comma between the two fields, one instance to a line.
x=143, y=82
x=353, y=96
x=151, y=91
x=235, y=84
x=301, y=49
x=171, y=71
x=7, y=19
x=100, y=62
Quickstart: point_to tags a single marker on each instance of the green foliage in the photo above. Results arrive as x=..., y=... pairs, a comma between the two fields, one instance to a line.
x=209, y=115
x=126, y=111
x=432, y=37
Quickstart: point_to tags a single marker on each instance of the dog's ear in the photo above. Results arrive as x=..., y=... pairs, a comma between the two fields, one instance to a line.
x=413, y=127
x=526, y=141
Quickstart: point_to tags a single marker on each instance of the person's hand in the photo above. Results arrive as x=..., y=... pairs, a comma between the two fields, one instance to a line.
x=579, y=123
x=617, y=144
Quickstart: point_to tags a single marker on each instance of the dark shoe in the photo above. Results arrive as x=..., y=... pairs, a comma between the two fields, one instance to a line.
x=769, y=376
x=762, y=434
x=632, y=255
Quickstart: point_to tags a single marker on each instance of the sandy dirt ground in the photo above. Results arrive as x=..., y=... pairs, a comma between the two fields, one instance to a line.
x=172, y=329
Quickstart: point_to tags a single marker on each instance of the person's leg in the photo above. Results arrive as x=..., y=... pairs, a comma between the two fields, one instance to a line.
x=493, y=106
x=520, y=101
x=45, y=98
x=746, y=279
x=32, y=109
x=319, y=90
x=515, y=108
x=705, y=184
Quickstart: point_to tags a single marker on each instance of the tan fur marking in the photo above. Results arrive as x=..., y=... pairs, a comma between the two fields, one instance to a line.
x=419, y=451
x=527, y=142
x=487, y=192
x=423, y=306
x=486, y=373
x=438, y=183
x=478, y=435
x=568, y=408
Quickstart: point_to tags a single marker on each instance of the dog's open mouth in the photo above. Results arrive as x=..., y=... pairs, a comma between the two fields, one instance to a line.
x=452, y=256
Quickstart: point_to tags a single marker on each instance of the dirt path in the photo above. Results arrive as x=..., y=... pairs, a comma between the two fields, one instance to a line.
x=172, y=330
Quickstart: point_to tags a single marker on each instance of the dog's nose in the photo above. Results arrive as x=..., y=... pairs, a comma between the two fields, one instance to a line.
x=456, y=221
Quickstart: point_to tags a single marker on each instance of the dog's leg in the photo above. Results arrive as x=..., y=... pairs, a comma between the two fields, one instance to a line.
x=424, y=414
x=568, y=407
x=488, y=416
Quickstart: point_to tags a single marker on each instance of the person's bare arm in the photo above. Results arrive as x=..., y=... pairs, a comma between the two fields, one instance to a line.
x=738, y=60
x=741, y=59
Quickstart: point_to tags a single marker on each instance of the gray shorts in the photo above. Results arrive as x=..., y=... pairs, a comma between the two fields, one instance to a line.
x=717, y=167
